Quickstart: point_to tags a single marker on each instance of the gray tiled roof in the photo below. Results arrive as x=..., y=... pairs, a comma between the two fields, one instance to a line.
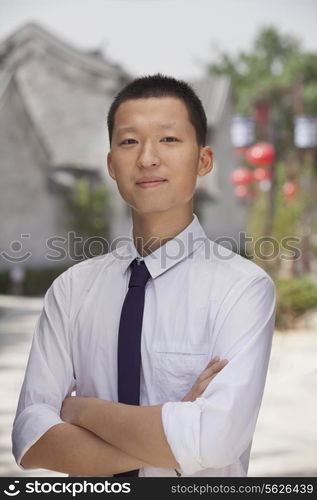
x=65, y=92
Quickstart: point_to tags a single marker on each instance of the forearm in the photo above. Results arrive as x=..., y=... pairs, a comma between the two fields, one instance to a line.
x=137, y=430
x=71, y=449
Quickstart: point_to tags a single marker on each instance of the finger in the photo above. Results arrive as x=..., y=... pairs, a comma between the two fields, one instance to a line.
x=214, y=366
x=213, y=369
x=203, y=385
x=205, y=382
x=214, y=360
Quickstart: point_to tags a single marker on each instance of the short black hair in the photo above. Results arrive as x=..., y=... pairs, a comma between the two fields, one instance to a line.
x=159, y=85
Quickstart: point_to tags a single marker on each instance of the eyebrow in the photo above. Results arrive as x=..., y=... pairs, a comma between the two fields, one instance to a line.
x=134, y=129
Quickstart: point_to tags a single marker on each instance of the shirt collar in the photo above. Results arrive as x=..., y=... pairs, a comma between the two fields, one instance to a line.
x=167, y=255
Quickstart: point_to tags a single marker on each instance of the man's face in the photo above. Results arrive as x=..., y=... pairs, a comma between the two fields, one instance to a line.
x=153, y=137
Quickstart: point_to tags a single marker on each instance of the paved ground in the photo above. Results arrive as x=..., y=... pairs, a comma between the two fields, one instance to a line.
x=285, y=441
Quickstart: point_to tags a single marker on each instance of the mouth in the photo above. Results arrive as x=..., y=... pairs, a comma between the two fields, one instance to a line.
x=149, y=184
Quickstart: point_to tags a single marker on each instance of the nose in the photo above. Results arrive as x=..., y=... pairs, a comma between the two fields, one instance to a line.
x=148, y=157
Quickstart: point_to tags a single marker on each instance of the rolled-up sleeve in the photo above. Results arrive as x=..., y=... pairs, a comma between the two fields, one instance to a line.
x=214, y=430
x=49, y=376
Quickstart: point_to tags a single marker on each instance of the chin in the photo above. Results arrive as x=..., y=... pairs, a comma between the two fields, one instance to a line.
x=154, y=209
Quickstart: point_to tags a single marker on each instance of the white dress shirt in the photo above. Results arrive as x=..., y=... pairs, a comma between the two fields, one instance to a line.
x=201, y=301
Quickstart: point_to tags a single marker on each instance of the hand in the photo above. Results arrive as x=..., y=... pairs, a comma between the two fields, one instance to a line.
x=211, y=370
x=72, y=409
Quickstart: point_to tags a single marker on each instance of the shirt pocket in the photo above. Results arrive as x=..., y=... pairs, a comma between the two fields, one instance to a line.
x=176, y=367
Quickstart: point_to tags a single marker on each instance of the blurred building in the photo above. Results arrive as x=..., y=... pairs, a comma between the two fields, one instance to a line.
x=223, y=215
x=54, y=100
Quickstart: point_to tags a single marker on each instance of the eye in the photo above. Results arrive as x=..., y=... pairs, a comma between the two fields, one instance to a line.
x=170, y=139
x=128, y=141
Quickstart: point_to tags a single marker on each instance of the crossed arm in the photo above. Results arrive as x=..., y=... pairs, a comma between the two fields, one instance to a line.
x=100, y=438
x=103, y=438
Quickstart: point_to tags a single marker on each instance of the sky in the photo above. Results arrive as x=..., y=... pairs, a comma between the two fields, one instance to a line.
x=176, y=37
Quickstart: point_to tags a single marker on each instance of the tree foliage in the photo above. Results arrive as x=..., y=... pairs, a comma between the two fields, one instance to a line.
x=88, y=207
x=280, y=74
x=276, y=70
x=273, y=66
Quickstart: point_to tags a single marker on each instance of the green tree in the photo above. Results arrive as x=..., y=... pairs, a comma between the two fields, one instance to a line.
x=88, y=207
x=277, y=70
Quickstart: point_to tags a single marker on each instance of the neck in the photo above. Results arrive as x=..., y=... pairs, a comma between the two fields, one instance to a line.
x=152, y=230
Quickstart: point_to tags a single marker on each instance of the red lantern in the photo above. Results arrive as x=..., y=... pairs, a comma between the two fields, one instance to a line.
x=262, y=174
x=242, y=175
x=261, y=154
x=289, y=189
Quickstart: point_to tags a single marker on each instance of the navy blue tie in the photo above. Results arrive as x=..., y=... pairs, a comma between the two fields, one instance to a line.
x=129, y=340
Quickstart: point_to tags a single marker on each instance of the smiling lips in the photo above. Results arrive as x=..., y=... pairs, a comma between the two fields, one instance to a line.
x=148, y=182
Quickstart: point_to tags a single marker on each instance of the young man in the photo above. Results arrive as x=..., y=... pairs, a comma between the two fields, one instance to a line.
x=195, y=417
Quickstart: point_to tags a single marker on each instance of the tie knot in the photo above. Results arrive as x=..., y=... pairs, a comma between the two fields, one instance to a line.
x=139, y=274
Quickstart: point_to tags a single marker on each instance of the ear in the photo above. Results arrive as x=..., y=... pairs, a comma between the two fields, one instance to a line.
x=205, y=161
x=109, y=164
